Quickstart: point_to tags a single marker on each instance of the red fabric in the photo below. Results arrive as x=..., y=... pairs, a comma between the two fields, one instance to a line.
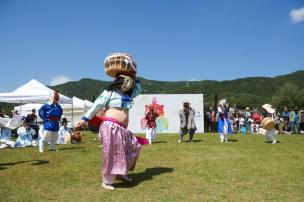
x=95, y=121
x=142, y=141
x=151, y=117
x=54, y=118
x=256, y=117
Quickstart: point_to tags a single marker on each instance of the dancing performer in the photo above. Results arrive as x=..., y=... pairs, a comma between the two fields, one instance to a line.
x=268, y=123
x=151, y=116
x=187, y=124
x=224, y=125
x=120, y=147
x=50, y=113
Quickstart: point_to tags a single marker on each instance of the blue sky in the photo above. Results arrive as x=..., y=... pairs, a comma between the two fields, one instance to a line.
x=170, y=40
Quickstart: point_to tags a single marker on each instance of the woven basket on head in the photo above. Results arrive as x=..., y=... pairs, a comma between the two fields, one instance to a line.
x=119, y=63
x=267, y=123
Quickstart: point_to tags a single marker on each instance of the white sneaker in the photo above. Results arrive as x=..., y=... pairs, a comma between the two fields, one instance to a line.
x=107, y=187
x=40, y=150
x=179, y=141
x=274, y=142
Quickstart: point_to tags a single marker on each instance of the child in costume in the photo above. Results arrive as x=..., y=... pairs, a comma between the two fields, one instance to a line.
x=151, y=116
x=120, y=147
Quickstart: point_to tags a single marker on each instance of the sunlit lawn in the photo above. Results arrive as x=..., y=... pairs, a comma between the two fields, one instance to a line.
x=244, y=169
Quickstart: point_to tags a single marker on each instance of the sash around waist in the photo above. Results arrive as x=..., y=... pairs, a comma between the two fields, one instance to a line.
x=113, y=121
x=53, y=118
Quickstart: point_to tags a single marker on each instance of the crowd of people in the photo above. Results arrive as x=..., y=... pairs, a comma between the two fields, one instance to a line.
x=289, y=121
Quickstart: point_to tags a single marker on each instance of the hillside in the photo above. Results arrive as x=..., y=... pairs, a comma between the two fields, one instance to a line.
x=252, y=91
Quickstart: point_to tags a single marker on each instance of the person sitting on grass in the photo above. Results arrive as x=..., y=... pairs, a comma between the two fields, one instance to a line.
x=62, y=131
x=25, y=136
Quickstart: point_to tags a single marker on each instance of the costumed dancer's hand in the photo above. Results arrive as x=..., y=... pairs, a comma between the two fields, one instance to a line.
x=80, y=123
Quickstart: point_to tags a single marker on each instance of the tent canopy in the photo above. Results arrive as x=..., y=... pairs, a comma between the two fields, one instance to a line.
x=77, y=102
x=32, y=92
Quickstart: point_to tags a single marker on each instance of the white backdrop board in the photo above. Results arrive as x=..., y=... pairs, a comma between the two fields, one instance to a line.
x=169, y=106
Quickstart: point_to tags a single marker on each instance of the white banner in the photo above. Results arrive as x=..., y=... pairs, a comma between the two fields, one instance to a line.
x=168, y=107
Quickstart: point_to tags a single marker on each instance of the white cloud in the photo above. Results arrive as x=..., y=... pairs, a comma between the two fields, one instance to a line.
x=59, y=80
x=193, y=79
x=297, y=15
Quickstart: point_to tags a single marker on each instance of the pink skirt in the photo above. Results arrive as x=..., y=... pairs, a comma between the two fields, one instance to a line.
x=120, y=148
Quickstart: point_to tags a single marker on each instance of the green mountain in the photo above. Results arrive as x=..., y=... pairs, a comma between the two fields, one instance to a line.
x=252, y=91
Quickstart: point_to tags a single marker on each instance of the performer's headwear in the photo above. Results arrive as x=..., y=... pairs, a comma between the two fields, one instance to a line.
x=222, y=102
x=120, y=64
x=268, y=108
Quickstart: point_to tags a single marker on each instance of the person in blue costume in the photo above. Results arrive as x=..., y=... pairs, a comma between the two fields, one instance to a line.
x=224, y=125
x=25, y=135
x=50, y=113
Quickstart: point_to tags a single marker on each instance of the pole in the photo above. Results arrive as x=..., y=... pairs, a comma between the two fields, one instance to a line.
x=72, y=113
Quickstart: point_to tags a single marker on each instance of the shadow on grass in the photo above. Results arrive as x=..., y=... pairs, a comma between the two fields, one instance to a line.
x=270, y=142
x=232, y=140
x=148, y=174
x=196, y=140
x=68, y=148
x=4, y=166
x=192, y=140
x=156, y=142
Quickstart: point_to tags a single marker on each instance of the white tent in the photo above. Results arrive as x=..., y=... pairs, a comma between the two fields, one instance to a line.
x=32, y=92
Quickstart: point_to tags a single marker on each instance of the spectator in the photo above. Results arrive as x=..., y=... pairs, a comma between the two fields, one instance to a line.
x=209, y=122
x=294, y=121
x=301, y=122
x=25, y=135
x=286, y=128
x=285, y=115
x=63, y=130
x=1, y=113
x=32, y=120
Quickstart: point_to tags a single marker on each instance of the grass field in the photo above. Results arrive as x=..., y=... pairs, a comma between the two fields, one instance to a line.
x=244, y=169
